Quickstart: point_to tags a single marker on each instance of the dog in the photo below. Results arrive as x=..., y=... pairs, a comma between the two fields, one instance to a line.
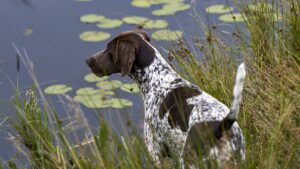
x=181, y=120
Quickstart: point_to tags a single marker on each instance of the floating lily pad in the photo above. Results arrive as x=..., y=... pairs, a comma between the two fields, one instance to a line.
x=156, y=24
x=146, y=22
x=148, y=3
x=88, y=91
x=259, y=6
x=218, y=9
x=171, y=9
x=266, y=9
x=141, y=3
x=94, y=36
x=235, y=17
x=130, y=88
x=166, y=34
x=28, y=31
x=109, y=23
x=94, y=101
x=91, y=77
x=109, y=85
x=98, y=101
x=57, y=89
x=120, y=103
x=92, y=18
x=135, y=20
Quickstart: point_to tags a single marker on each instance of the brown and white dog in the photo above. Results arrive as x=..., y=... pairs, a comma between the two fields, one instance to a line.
x=181, y=120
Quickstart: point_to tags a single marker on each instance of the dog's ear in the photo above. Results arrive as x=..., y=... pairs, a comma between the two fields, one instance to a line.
x=125, y=54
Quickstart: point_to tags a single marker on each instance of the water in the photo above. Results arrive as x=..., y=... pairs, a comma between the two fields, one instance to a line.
x=58, y=54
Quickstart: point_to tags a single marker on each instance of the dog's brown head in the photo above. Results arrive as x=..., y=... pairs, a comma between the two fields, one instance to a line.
x=121, y=53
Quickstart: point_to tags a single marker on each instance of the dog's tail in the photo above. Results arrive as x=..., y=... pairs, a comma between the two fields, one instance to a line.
x=237, y=97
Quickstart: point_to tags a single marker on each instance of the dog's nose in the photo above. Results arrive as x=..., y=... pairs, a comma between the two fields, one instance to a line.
x=90, y=61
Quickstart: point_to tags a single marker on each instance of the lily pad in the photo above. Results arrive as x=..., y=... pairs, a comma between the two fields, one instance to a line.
x=130, y=88
x=167, y=35
x=109, y=85
x=218, y=9
x=156, y=24
x=28, y=31
x=57, y=89
x=91, y=77
x=94, y=101
x=141, y=3
x=92, y=18
x=135, y=20
x=260, y=6
x=266, y=9
x=88, y=91
x=235, y=17
x=149, y=3
x=146, y=22
x=171, y=9
x=120, y=103
x=94, y=36
x=109, y=23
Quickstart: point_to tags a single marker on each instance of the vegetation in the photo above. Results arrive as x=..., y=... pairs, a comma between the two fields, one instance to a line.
x=269, y=115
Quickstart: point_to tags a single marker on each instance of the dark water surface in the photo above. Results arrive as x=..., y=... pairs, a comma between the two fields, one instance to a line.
x=58, y=54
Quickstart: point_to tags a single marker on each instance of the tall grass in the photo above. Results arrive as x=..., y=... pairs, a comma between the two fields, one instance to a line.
x=269, y=114
x=270, y=111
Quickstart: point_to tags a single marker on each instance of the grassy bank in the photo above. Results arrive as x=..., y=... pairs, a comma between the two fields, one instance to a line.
x=269, y=115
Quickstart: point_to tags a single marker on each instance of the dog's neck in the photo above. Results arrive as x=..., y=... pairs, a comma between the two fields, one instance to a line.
x=153, y=74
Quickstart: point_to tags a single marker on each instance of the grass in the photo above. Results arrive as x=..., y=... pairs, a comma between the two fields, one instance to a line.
x=269, y=114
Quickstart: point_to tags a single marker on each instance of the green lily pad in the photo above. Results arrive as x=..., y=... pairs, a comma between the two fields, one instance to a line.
x=109, y=23
x=57, y=89
x=141, y=3
x=149, y=3
x=94, y=36
x=156, y=24
x=109, y=85
x=146, y=22
x=218, y=9
x=266, y=9
x=91, y=77
x=171, y=9
x=94, y=101
x=102, y=102
x=167, y=35
x=92, y=18
x=234, y=17
x=120, y=103
x=88, y=91
x=135, y=20
x=130, y=88
x=260, y=6
x=156, y=2
x=28, y=31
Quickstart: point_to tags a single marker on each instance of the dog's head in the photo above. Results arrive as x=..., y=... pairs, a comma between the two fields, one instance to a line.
x=120, y=54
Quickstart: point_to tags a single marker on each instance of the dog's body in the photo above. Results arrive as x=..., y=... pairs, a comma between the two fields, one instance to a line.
x=181, y=120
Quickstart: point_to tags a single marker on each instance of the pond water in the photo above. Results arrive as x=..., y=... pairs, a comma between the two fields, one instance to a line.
x=49, y=31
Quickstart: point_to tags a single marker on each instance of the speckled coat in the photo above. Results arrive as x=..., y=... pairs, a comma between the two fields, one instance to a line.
x=181, y=120
x=155, y=82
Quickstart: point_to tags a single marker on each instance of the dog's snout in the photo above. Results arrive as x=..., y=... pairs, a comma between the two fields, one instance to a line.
x=90, y=61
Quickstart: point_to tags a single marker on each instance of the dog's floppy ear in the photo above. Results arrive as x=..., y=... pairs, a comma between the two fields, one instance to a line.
x=125, y=54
